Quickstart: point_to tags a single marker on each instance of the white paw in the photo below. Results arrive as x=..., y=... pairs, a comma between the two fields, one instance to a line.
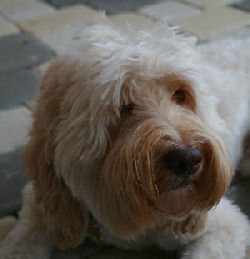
x=227, y=235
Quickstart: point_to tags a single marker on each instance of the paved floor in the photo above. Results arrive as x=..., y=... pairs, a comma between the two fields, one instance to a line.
x=32, y=32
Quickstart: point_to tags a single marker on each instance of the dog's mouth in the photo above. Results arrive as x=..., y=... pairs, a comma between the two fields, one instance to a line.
x=180, y=186
x=183, y=183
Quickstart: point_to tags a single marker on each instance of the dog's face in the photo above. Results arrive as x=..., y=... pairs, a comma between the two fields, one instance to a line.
x=162, y=161
x=137, y=136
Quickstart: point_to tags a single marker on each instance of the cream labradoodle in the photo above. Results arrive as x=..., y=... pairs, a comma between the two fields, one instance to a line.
x=142, y=131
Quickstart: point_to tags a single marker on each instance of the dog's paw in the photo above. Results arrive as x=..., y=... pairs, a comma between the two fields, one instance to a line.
x=226, y=235
x=212, y=247
x=202, y=250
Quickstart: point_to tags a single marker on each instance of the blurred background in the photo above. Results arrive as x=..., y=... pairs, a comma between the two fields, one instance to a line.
x=32, y=32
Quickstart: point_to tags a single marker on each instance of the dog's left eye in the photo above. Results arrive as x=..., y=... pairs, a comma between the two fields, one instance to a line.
x=179, y=96
x=127, y=108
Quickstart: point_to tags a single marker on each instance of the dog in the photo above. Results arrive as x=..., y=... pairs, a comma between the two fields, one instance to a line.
x=141, y=132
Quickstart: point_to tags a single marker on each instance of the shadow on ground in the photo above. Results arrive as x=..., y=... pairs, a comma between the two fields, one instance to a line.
x=90, y=250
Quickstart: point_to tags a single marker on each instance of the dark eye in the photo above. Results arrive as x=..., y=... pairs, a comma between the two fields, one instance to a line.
x=179, y=96
x=127, y=108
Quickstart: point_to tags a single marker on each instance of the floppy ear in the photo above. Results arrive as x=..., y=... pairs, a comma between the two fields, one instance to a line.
x=63, y=214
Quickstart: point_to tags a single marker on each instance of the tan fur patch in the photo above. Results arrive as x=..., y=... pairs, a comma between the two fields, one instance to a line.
x=62, y=212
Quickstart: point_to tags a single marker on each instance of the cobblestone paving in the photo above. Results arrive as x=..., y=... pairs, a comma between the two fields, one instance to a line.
x=32, y=32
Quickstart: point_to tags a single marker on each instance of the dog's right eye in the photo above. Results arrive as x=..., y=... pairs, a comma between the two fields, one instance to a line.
x=127, y=108
x=179, y=96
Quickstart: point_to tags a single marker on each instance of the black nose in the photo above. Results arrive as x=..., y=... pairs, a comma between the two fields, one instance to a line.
x=183, y=162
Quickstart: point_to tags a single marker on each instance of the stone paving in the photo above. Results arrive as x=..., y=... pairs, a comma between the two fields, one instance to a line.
x=32, y=32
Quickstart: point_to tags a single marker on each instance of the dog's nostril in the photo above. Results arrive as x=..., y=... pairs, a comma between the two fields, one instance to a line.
x=183, y=162
x=196, y=156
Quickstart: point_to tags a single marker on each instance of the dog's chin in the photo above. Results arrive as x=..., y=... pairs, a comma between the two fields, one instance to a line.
x=184, y=185
x=179, y=200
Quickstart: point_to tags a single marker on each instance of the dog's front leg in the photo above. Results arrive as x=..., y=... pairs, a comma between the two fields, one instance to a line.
x=226, y=235
x=28, y=237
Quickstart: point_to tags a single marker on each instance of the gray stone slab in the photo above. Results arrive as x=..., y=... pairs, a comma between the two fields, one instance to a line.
x=240, y=193
x=169, y=10
x=64, y=3
x=26, y=10
x=12, y=180
x=114, y=6
x=21, y=51
x=110, y=6
x=243, y=5
x=17, y=88
x=15, y=125
x=241, y=33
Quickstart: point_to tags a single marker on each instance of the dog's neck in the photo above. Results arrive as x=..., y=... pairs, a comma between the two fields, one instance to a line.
x=176, y=231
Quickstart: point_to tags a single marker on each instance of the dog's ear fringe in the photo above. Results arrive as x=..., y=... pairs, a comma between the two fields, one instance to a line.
x=63, y=214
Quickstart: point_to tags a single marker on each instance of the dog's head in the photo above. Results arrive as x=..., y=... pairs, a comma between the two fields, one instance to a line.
x=138, y=138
